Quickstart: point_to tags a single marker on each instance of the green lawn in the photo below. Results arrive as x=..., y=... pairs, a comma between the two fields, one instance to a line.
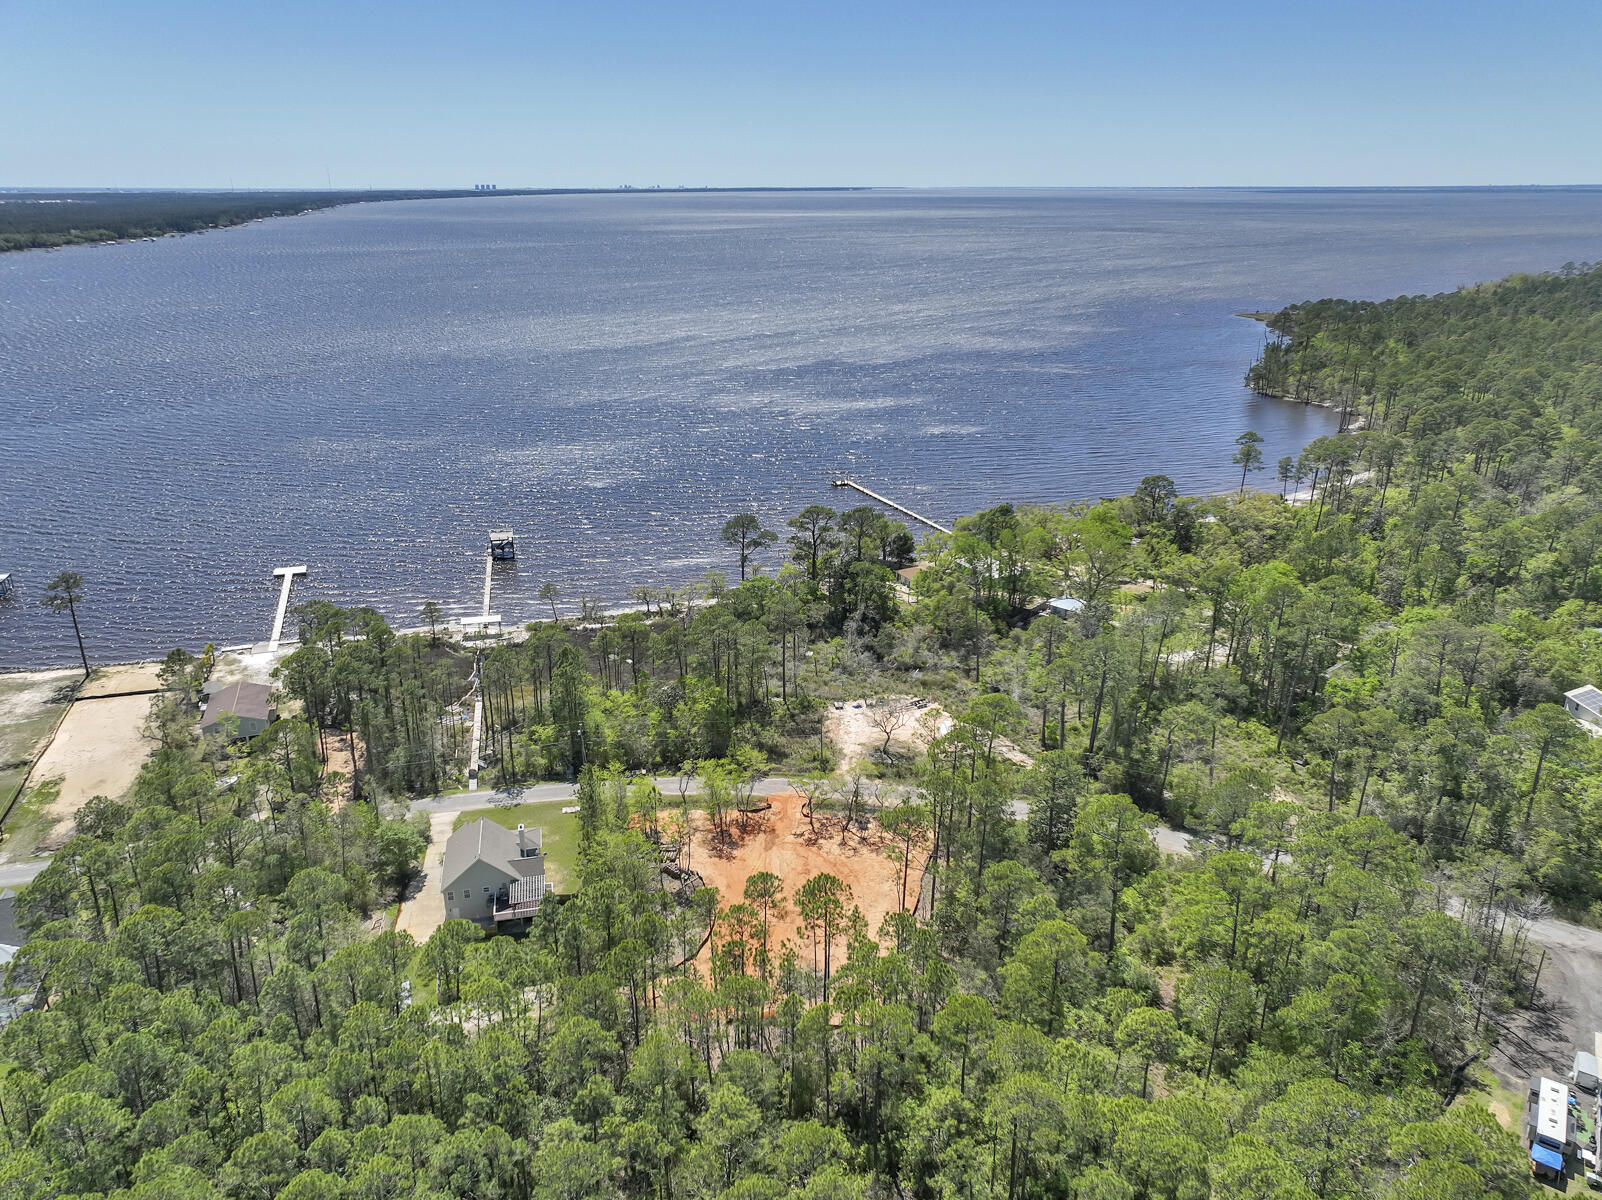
x=27, y=825
x=560, y=839
x=1485, y=1089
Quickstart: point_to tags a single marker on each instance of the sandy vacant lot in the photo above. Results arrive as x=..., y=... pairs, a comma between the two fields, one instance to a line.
x=114, y=681
x=782, y=841
x=97, y=752
x=857, y=728
x=23, y=693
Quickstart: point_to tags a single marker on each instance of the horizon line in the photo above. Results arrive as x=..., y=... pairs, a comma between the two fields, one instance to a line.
x=624, y=189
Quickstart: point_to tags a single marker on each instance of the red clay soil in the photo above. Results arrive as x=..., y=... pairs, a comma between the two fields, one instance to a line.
x=782, y=841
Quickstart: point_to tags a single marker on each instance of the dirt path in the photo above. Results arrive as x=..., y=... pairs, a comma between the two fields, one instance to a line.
x=340, y=760
x=784, y=842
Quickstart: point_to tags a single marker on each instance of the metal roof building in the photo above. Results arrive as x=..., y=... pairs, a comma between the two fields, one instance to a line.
x=1585, y=706
x=1552, y=1115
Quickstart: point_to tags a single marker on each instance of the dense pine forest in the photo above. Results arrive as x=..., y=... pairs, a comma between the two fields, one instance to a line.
x=1346, y=678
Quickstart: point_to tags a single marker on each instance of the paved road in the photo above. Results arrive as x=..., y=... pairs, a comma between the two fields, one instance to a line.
x=545, y=792
x=17, y=874
x=1169, y=840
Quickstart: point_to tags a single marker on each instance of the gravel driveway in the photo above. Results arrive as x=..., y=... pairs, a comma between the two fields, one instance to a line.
x=423, y=910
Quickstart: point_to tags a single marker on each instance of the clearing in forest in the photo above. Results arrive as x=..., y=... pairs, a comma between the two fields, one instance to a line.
x=860, y=729
x=783, y=841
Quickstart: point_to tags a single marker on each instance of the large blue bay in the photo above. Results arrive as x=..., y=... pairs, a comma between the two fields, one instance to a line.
x=369, y=389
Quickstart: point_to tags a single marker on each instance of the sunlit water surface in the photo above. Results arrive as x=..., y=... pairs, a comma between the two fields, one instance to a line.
x=368, y=390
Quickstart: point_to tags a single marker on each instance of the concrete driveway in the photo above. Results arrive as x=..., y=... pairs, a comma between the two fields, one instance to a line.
x=423, y=910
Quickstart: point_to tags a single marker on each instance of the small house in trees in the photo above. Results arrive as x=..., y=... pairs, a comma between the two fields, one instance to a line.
x=248, y=705
x=493, y=874
x=902, y=587
x=1065, y=606
x=1585, y=706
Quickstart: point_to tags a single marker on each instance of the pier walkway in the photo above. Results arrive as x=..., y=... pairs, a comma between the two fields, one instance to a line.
x=888, y=503
x=500, y=547
x=288, y=575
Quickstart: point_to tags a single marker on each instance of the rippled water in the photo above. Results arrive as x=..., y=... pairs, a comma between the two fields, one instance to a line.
x=367, y=390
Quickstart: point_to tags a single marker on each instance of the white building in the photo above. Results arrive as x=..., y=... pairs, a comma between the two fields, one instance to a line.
x=1585, y=706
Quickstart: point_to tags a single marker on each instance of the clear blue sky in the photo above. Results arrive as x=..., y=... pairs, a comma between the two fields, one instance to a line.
x=776, y=92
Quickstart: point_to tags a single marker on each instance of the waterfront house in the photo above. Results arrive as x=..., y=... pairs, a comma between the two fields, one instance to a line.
x=493, y=874
x=250, y=705
x=902, y=587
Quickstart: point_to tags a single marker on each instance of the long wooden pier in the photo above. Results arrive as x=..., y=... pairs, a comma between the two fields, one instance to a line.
x=500, y=547
x=888, y=503
x=287, y=574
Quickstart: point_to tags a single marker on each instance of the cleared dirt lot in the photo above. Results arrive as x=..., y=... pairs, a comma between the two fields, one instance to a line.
x=782, y=841
x=31, y=702
x=856, y=728
x=113, y=681
x=1568, y=1012
x=97, y=752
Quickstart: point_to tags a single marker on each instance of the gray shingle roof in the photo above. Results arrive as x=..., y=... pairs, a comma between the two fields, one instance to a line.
x=485, y=841
x=241, y=699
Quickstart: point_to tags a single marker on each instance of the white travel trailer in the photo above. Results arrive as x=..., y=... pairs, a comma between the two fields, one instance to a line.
x=1583, y=1076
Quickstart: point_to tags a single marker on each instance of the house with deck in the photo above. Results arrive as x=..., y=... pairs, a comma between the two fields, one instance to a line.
x=493, y=874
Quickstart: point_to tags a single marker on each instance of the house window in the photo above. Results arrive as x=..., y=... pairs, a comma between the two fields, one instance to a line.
x=450, y=895
x=486, y=891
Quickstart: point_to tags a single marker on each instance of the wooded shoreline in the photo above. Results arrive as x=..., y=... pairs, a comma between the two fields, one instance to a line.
x=51, y=220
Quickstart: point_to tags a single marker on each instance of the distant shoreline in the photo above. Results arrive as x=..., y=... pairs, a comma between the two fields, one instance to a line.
x=55, y=220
